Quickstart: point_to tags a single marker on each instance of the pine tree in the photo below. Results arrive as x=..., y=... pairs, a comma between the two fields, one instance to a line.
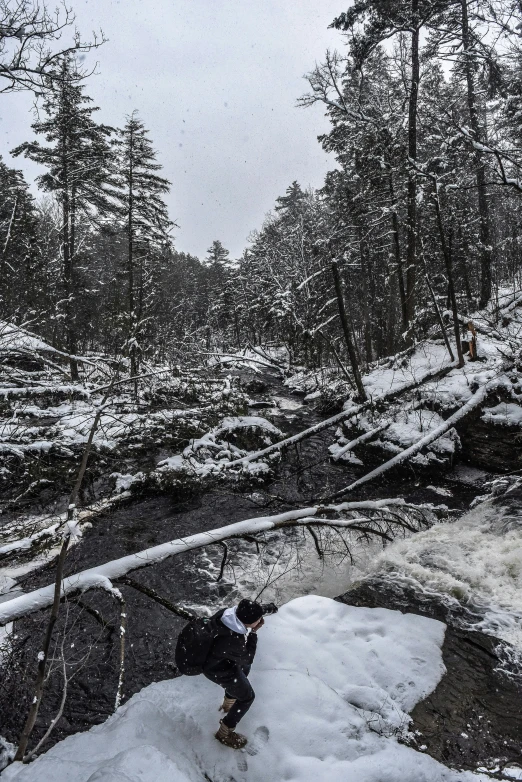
x=371, y=22
x=18, y=230
x=79, y=161
x=217, y=255
x=218, y=282
x=292, y=201
x=146, y=221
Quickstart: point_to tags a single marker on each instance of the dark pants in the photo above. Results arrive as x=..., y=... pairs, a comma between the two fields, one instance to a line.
x=236, y=686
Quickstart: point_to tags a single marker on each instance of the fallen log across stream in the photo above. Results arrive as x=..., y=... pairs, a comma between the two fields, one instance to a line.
x=343, y=415
x=363, y=438
x=106, y=576
x=476, y=400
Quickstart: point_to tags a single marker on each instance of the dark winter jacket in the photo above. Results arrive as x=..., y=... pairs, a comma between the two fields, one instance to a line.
x=229, y=649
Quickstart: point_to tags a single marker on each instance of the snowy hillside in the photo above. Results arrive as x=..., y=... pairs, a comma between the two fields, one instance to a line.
x=334, y=684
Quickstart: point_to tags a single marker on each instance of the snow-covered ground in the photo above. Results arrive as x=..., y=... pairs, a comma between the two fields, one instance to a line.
x=415, y=415
x=346, y=676
x=212, y=453
x=252, y=357
x=334, y=686
x=42, y=413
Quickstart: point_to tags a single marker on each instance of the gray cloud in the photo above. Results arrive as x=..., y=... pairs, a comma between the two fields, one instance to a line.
x=216, y=83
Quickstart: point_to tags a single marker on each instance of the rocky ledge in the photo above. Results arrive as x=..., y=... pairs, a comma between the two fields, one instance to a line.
x=472, y=719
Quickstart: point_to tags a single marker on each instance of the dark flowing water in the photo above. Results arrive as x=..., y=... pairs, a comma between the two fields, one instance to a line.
x=304, y=474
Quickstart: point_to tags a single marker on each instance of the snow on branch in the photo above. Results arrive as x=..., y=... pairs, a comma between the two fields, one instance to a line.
x=363, y=438
x=476, y=400
x=103, y=576
x=502, y=157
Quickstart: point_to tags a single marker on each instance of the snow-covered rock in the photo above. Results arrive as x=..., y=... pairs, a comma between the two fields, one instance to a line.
x=503, y=414
x=334, y=684
x=211, y=454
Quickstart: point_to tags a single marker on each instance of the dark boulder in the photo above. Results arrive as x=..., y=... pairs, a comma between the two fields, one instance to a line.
x=490, y=441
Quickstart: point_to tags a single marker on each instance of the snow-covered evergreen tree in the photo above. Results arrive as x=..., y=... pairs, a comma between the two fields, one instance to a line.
x=146, y=220
x=79, y=158
x=19, y=286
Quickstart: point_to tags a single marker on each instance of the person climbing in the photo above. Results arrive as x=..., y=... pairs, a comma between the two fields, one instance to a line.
x=229, y=661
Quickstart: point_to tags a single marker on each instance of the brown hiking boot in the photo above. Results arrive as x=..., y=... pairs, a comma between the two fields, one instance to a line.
x=227, y=704
x=229, y=737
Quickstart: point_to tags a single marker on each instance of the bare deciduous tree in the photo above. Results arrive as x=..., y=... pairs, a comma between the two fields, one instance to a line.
x=30, y=44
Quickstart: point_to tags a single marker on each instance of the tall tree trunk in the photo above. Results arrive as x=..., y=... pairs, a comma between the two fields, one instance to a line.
x=130, y=257
x=486, y=260
x=464, y=267
x=68, y=280
x=10, y=230
x=436, y=305
x=397, y=253
x=347, y=333
x=236, y=328
x=4, y=277
x=365, y=306
x=72, y=338
x=392, y=314
x=44, y=654
x=449, y=272
x=411, y=249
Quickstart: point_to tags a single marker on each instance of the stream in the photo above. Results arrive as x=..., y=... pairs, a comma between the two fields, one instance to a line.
x=290, y=567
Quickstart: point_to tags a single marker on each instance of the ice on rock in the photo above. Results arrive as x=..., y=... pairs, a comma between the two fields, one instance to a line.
x=334, y=684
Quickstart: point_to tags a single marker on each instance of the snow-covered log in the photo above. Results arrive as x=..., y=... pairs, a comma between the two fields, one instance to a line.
x=392, y=393
x=363, y=438
x=476, y=400
x=103, y=575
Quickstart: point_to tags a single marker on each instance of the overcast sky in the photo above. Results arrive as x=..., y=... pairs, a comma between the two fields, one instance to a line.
x=216, y=83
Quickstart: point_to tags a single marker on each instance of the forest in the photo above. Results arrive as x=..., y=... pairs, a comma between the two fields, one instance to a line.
x=420, y=210
x=336, y=413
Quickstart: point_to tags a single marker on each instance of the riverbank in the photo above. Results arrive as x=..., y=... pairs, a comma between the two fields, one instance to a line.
x=278, y=566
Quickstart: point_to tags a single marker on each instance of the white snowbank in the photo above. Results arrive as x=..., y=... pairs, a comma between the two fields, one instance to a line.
x=250, y=358
x=14, y=337
x=407, y=427
x=503, y=414
x=232, y=424
x=333, y=686
x=212, y=453
x=427, y=357
x=513, y=772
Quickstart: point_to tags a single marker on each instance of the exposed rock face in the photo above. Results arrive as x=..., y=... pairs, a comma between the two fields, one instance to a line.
x=493, y=441
x=473, y=716
x=256, y=386
x=493, y=447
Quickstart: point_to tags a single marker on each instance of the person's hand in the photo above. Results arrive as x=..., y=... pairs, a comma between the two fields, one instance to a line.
x=258, y=625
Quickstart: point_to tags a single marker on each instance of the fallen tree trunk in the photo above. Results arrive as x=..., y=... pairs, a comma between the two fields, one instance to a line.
x=230, y=357
x=359, y=441
x=343, y=415
x=476, y=400
x=102, y=576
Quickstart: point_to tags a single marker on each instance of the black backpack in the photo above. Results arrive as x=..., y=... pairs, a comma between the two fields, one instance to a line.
x=194, y=644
